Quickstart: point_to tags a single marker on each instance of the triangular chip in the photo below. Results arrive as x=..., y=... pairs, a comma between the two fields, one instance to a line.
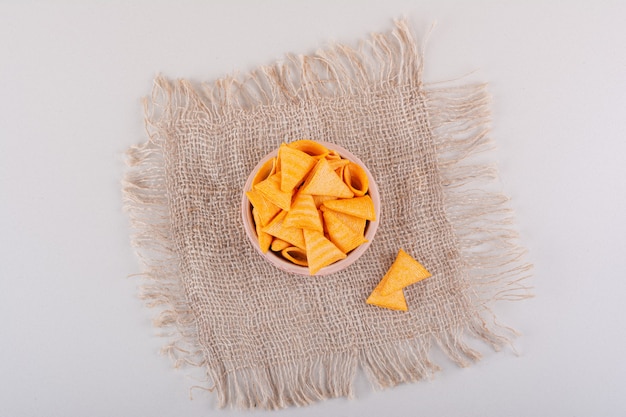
x=333, y=154
x=310, y=147
x=303, y=214
x=356, y=179
x=393, y=301
x=295, y=255
x=345, y=238
x=355, y=223
x=265, y=239
x=270, y=189
x=288, y=234
x=279, y=244
x=319, y=199
x=265, y=208
x=267, y=169
x=403, y=272
x=362, y=207
x=320, y=251
x=294, y=166
x=324, y=181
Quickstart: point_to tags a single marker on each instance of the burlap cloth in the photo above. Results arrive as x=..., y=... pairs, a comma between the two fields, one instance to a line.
x=269, y=339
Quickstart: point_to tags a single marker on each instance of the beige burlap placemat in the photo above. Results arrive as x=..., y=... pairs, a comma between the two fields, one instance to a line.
x=269, y=339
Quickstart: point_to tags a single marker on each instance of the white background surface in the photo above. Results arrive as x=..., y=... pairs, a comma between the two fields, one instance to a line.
x=77, y=341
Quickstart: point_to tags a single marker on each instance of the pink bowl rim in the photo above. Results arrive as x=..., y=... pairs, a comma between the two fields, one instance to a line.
x=277, y=261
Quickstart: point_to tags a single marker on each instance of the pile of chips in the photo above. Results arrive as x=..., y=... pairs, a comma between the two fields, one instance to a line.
x=310, y=205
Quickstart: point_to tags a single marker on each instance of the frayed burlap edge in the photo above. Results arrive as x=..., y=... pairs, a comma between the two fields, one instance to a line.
x=483, y=223
x=146, y=201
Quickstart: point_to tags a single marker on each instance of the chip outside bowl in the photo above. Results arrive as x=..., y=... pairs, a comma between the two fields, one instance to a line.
x=278, y=261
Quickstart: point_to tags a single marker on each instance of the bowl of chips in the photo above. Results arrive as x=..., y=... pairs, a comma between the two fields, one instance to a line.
x=310, y=207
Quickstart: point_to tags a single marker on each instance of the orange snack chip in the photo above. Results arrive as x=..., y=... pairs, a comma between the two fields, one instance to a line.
x=278, y=245
x=294, y=166
x=344, y=237
x=403, y=272
x=266, y=210
x=393, y=301
x=324, y=181
x=265, y=239
x=355, y=178
x=333, y=154
x=320, y=251
x=362, y=207
x=288, y=234
x=303, y=214
x=355, y=223
x=296, y=255
x=310, y=147
x=268, y=168
x=270, y=189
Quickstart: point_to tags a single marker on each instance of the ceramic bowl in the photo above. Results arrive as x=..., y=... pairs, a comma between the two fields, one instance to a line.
x=275, y=258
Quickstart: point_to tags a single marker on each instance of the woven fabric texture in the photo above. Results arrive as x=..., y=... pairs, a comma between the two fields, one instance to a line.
x=269, y=339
